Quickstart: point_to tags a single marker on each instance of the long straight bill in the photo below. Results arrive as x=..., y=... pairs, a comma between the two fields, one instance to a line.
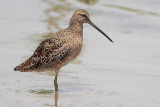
x=91, y=23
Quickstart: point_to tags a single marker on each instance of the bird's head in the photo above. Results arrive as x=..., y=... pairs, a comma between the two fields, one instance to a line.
x=81, y=16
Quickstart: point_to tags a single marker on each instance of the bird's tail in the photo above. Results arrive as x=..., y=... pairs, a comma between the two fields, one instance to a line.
x=17, y=68
x=24, y=67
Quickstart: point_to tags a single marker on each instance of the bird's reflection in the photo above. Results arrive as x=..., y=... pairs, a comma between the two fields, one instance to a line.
x=56, y=95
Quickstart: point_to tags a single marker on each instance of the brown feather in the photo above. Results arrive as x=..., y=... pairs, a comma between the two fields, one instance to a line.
x=48, y=53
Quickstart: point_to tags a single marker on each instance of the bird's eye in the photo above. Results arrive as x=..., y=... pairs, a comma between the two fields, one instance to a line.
x=84, y=15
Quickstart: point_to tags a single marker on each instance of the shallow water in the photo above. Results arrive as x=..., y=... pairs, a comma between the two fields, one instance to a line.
x=123, y=74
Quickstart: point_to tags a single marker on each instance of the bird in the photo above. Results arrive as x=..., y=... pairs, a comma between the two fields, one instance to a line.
x=61, y=48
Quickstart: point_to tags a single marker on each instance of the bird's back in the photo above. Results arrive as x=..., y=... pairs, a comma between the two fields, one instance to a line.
x=49, y=52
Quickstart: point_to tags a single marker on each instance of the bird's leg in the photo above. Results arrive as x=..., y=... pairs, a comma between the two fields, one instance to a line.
x=55, y=83
x=56, y=90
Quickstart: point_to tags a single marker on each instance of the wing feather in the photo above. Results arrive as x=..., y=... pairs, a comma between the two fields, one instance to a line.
x=48, y=53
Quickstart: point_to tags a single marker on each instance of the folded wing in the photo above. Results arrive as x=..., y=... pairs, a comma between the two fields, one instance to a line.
x=47, y=54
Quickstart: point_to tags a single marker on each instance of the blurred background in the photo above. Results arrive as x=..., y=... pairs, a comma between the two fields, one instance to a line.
x=121, y=74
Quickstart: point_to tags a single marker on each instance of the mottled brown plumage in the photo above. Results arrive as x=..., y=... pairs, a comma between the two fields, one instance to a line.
x=49, y=54
x=58, y=50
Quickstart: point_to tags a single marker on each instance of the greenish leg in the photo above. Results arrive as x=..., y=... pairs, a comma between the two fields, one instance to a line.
x=56, y=89
x=55, y=83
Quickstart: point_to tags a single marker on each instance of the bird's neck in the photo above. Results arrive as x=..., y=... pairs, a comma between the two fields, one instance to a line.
x=76, y=26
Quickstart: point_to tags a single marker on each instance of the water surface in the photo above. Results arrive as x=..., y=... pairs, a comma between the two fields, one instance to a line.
x=123, y=74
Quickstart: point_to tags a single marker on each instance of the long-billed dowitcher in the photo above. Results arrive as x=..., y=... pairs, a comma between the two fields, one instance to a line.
x=61, y=48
